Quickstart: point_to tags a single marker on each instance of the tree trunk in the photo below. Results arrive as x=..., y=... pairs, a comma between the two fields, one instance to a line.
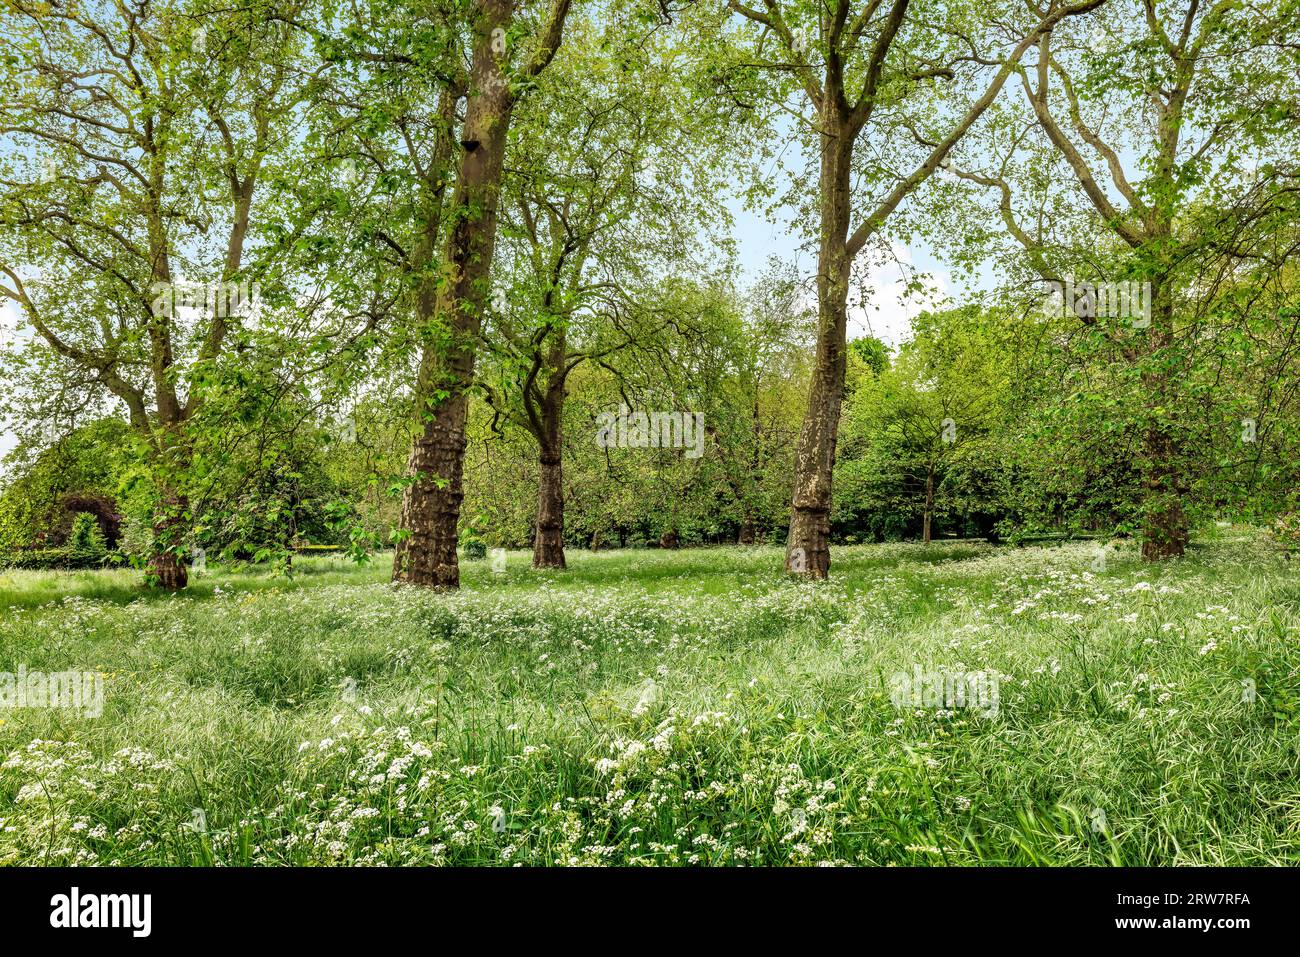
x=746, y=536
x=426, y=553
x=808, y=545
x=546, y=418
x=548, y=542
x=426, y=550
x=290, y=537
x=1165, y=531
x=167, y=564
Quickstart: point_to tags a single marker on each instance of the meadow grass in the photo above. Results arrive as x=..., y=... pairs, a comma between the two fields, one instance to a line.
x=648, y=707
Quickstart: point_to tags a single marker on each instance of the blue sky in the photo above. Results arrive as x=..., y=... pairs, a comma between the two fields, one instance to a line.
x=890, y=314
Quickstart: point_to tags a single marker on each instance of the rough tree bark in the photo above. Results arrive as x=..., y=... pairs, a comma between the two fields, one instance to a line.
x=166, y=567
x=1165, y=528
x=746, y=535
x=548, y=542
x=426, y=549
x=808, y=545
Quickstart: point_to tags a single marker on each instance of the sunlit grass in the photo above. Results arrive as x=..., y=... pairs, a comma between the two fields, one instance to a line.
x=667, y=708
x=31, y=589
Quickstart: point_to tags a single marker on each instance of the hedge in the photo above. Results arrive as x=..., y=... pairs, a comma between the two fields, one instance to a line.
x=67, y=559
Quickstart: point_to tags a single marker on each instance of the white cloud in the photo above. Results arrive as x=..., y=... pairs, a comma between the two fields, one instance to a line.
x=879, y=302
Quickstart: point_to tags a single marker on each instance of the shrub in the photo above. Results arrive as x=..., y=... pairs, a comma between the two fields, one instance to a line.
x=1285, y=531
x=895, y=528
x=86, y=535
x=136, y=541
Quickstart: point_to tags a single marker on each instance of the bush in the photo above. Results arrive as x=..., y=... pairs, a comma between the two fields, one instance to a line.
x=1285, y=531
x=895, y=529
x=86, y=535
x=86, y=548
x=136, y=541
x=475, y=549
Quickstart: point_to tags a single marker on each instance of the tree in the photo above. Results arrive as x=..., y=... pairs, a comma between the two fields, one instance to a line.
x=77, y=471
x=588, y=222
x=508, y=55
x=944, y=393
x=1159, y=208
x=875, y=68
x=151, y=131
x=744, y=367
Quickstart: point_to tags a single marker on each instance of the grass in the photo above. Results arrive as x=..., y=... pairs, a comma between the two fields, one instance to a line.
x=651, y=707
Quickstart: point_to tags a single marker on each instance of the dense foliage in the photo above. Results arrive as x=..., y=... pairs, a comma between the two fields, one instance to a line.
x=380, y=276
